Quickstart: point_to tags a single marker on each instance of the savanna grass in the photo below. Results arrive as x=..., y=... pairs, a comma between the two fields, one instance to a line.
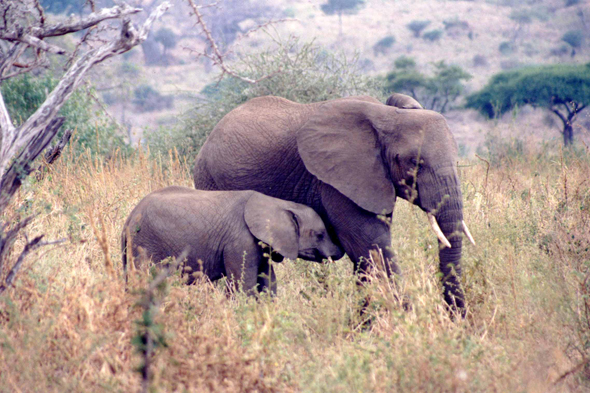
x=68, y=323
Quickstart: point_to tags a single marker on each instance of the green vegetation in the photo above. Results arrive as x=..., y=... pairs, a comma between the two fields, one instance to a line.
x=416, y=26
x=339, y=7
x=383, y=45
x=308, y=73
x=437, y=92
x=148, y=99
x=507, y=48
x=562, y=89
x=93, y=130
x=574, y=38
x=167, y=38
x=432, y=35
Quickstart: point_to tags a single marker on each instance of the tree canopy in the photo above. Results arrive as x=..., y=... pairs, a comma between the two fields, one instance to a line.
x=339, y=7
x=562, y=89
x=436, y=92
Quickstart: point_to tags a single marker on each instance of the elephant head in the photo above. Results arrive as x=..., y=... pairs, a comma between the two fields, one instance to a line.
x=403, y=101
x=293, y=230
x=373, y=153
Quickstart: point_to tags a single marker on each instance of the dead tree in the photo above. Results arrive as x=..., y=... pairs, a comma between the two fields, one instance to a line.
x=23, y=49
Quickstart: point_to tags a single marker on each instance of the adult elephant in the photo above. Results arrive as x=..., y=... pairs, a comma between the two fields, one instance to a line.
x=348, y=159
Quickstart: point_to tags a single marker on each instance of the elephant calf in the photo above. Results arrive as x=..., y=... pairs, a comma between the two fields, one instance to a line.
x=221, y=231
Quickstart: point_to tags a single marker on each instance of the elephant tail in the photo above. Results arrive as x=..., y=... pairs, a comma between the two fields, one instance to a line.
x=124, y=252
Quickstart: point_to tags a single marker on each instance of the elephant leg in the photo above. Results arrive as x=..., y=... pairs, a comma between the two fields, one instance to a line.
x=241, y=267
x=267, y=280
x=364, y=236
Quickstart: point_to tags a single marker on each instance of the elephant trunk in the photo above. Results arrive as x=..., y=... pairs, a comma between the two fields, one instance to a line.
x=450, y=219
x=445, y=203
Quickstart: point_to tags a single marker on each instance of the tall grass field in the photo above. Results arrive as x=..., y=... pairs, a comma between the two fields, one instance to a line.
x=70, y=324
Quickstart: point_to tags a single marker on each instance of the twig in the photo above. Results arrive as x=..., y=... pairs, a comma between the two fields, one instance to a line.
x=33, y=42
x=91, y=20
x=71, y=80
x=571, y=371
x=218, y=57
x=7, y=239
x=30, y=246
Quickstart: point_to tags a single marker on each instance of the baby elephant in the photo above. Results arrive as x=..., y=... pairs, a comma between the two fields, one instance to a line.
x=223, y=230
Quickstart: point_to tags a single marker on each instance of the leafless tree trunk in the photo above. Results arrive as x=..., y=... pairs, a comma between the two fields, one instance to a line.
x=21, y=145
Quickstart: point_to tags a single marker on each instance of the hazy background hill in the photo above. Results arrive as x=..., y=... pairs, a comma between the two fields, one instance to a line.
x=483, y=37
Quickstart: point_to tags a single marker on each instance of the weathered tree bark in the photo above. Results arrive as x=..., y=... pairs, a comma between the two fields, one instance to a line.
x=20, y=146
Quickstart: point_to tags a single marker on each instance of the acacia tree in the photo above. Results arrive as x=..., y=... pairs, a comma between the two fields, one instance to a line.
x=436, y=92
x=562, y=89
x=340, y=7
x=25, y=34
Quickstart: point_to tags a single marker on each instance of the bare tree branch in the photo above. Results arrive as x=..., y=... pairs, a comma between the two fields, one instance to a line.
x=91, y=20
x=20, y=146
x=20, y=167
x=34, y=42
x=563, y=119
x=7, y=238
x=13, y=54
x=6, y=125
x=29, y=247
x=217, y=57
x=40, y=120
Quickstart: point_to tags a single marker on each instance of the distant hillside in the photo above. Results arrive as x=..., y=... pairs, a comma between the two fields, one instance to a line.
x=482, y=36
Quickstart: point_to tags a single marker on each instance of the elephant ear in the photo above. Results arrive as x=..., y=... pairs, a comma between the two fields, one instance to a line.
x=271, y=222
x=403, y=101
x=339, y=146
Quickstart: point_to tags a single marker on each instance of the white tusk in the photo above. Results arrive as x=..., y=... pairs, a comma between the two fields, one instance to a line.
x=437, y=230
x=467, y=233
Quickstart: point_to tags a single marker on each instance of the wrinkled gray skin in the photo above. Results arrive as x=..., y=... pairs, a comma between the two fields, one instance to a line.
x=218, y=227
x=348, y=159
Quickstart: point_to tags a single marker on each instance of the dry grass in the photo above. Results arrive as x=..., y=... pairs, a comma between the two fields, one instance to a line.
x=68, y=324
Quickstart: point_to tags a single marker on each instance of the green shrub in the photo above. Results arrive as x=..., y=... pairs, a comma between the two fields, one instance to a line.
x=560, y=50
x=383, y=45
x=416, y=26
x=455, y=22
x=308, y=74
x=167, y=38
x=521, y=16
x=507, y=48
x=404, y=63
x=480, y=61
x=148, y=99
x=93, y=129
x=437, y=92
x=432, y=35
x=574, y=38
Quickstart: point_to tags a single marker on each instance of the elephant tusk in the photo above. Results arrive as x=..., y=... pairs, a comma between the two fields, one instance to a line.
x=439, y=233
x=467, y=233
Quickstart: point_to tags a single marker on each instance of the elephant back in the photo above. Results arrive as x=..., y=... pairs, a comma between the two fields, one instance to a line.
x=254, y=147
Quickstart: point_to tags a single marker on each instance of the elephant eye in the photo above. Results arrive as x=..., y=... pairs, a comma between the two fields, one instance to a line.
x=414, y=162
x=320, y=236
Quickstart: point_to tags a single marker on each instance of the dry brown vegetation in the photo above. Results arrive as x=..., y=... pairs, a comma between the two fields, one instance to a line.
x=68, y=323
